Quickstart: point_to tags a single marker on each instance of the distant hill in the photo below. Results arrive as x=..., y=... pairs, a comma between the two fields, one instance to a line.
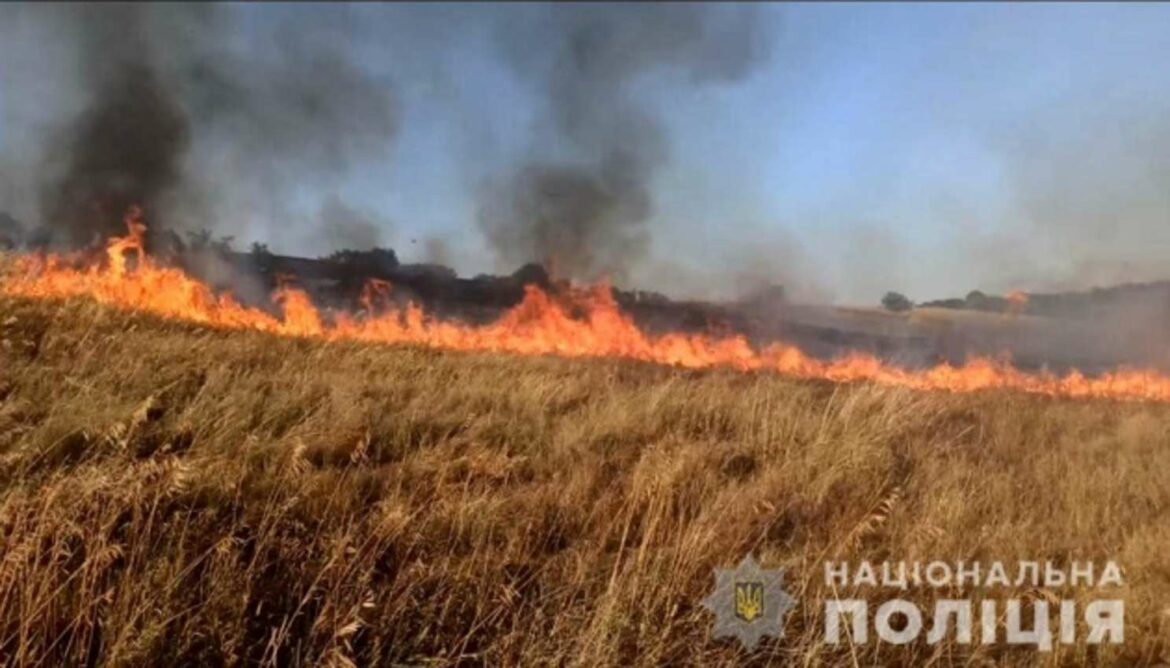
x=1089, y=303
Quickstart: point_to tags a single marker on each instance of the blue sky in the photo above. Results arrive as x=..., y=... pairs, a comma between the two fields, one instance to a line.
x=930, y=149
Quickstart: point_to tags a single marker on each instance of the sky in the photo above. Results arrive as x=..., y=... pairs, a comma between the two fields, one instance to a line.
x=928, y=149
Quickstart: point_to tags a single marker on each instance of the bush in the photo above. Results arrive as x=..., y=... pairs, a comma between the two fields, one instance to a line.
x=896, y=302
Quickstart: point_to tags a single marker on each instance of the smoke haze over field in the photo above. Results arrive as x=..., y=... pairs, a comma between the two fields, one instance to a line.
x=701, y=150
x=587, y=214
x=126, y=146
x=175, y=118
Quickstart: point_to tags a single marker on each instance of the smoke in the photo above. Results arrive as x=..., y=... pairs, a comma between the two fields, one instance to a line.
x=344, y=227
x=581, y=199
x=762, y=258
x=236, y=120
x=125, y=148
x=1093, y=191
x=180, y=117
x=295, y=109
x=436, y=251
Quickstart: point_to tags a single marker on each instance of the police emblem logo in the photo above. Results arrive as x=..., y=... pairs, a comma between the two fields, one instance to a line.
x=749, y=602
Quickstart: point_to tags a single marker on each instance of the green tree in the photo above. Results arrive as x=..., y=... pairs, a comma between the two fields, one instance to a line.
x=896, y=302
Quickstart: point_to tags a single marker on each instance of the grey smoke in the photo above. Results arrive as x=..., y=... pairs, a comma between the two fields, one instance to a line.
x=275, y=119
x=176, y=114
x=12, y=232
x=126, y=146
x=182, y=120
x=344, y=227
x=581, y=200
x=1093, y=194
x=436, y=251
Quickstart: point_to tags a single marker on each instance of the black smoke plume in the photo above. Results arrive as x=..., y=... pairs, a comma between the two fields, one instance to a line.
x=582, y=199
x=181, y=119
x=126, y=146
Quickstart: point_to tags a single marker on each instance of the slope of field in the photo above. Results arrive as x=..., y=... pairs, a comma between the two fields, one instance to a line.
x=171, y=494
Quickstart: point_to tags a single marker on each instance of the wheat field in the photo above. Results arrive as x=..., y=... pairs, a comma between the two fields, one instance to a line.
x=176, y=495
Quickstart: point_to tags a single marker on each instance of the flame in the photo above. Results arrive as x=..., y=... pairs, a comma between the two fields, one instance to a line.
x=541, y=324
x=1017, y=302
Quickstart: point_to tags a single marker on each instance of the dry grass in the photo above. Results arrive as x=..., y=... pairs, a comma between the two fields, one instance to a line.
x=175, y=495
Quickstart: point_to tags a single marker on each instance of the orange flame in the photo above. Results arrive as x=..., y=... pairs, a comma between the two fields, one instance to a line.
x=1017, y=302
x=539, y=325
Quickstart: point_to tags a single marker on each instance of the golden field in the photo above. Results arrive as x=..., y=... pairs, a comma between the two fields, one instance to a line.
x=171, y=494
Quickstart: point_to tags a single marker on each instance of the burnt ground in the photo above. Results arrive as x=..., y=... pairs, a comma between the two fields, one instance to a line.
x=921, y=338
